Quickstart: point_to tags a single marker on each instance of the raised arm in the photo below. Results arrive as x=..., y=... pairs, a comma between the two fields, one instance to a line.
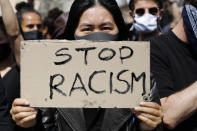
x=12, y=28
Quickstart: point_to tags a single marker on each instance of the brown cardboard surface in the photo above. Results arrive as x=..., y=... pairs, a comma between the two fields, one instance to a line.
x=98, y=81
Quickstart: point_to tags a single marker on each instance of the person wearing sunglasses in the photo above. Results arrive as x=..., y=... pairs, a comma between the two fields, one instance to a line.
x=146, y=15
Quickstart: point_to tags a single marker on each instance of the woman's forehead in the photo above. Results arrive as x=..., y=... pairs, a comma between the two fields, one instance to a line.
x=95, y=15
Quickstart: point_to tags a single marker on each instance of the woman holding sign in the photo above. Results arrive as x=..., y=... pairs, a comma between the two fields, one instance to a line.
x=91, y=20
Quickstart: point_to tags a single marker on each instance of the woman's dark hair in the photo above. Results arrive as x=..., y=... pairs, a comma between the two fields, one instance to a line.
x=80, y=6
x=132, y=4
x=22, y=8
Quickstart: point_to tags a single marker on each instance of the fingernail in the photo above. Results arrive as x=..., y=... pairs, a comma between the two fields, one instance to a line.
x=136, y=108
x=142, y=103
x=33, y=110
x=34, y=116
x=26, y=103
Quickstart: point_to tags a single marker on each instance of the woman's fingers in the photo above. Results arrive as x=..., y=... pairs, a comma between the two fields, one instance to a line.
x=147, y=121
x=148, y=110
x=151, y=105
x=151, y=117
x=27, y=121
x=150, y=114
x=20, y=102
x=23, y=115
x=20, y=112
x=18, y=109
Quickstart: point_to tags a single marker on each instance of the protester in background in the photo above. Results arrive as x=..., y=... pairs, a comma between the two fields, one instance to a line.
x=175, y=9
x=84, y=23
x=49, y=22
x=172, y=14
x=147, y=15
x=27, y=25
x=30, y=24
x=29, y=21
x=174, y=64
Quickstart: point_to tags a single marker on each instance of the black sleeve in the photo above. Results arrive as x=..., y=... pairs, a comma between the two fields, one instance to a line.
x=46, y=120
x=160, y=67
x=154, y=93
x=5, y=118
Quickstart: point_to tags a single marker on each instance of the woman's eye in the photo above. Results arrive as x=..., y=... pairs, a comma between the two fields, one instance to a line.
x=86, y=29
x=106, y=28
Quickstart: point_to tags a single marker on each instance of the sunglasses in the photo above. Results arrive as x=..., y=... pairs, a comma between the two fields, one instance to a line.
x=141, y=11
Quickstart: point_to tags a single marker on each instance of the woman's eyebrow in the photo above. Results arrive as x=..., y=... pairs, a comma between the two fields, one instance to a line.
x=106, y=23
x=85, y=24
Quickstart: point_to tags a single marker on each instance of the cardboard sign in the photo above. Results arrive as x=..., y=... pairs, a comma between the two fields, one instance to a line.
x=84, y=74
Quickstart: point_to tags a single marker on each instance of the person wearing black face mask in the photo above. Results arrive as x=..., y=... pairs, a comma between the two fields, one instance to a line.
x=29, y=21
x=174, y=64
x=33, y=35
x=26, y=26
x=84, y=23
x=98, y=36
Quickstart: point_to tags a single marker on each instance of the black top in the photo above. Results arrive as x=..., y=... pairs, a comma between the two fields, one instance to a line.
x=175, y=68
x=5, y=119
x=93, y=118
x=11, y=82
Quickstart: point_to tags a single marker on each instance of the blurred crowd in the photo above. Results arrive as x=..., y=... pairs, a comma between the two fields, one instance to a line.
x=170, y=26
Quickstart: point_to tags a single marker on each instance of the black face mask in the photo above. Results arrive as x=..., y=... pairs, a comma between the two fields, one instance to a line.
x=33, y=35
x=4, y=51
x=98, y=36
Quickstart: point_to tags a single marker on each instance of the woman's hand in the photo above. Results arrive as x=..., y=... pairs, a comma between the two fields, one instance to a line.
x=23, y=114
x=149, y=114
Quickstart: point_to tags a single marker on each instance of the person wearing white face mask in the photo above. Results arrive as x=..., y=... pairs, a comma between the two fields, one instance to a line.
x=146, y=15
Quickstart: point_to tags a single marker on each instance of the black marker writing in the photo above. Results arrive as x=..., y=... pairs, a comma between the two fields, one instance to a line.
x=60, y=53
x=54, y=86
